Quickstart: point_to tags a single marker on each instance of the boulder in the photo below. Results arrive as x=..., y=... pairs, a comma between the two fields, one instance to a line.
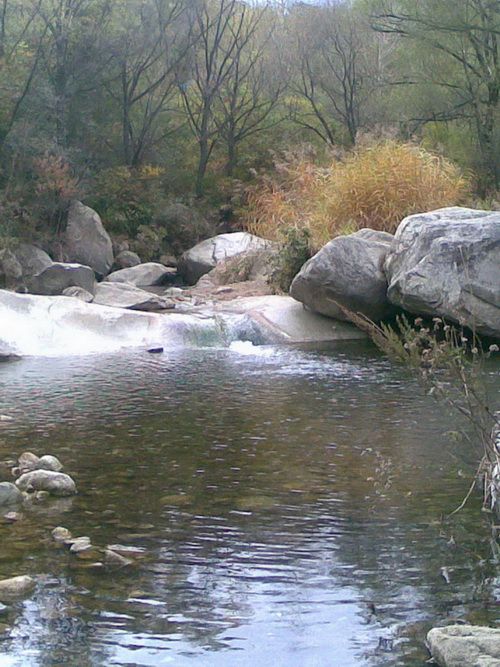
x=49, y=462
x=56, y=483
x=121, y=295
x=9, y=494
x=142, y=275
x=349, y=271
x=78, y=293
x=201, y=259
x=253, y=265
x=58, y=276
x=15, y=587
x=126, y=259
x=465, y=646
x=85, y=240
x=11, y=270
x=446, y=263
x=33, y=260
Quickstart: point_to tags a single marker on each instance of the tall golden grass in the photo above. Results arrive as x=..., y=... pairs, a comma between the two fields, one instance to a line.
x=374, y=186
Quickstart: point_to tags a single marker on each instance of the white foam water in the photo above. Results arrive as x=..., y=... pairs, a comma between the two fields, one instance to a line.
x=60, y=326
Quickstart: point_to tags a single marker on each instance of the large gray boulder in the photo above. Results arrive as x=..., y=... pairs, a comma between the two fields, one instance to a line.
x=142, y=275
x=33, y=260
x=201, y=259
x=349, y=271
x=122, y=295
x=465, y=646
x=59, y=276
x=446, y=263
x=85, y=240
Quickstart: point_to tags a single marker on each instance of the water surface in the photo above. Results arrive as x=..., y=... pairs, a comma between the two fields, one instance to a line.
x=294, y=507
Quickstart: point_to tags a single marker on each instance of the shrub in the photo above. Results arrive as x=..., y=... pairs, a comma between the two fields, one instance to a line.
x=374, y=186
x=127, y=198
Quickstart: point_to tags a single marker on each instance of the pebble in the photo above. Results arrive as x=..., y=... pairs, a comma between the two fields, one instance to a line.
x=113, y=558
x=61, y=534
x=79, y=544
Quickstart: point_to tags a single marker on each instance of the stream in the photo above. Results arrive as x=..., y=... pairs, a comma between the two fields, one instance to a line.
x=294, y=507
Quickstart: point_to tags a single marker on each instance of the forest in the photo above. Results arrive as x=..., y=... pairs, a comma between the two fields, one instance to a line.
x=135, y=106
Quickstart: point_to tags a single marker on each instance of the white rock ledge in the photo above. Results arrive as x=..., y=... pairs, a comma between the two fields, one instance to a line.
x=59, y=326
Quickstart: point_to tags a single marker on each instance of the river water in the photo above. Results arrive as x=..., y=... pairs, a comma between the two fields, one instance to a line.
x=294, y=506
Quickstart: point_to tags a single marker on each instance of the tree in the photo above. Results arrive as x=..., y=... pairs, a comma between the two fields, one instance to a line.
x=151, y=45
x=73, y=29
x=336, y=73
x=224, y=31
x=253, y=86
x=464, y=39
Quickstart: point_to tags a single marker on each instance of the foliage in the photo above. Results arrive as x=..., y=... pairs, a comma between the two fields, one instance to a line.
x=294, y=250
x=376, y=185
x=126, y=198
x=449, y=362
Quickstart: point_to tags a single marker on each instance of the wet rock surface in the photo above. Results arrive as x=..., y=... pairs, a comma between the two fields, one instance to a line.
x=15, y=587
x=465, y=646
x=56, y=483
x=9, y=494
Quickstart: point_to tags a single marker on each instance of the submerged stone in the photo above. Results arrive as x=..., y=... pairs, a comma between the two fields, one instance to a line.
x=15, y=587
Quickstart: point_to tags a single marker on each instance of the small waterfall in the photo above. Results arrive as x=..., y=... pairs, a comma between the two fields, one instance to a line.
x=58, y=326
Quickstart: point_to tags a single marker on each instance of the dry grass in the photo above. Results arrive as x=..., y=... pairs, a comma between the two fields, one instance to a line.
x=375, y=186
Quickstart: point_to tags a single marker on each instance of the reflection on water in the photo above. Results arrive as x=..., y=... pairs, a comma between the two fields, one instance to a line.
x=293, y=505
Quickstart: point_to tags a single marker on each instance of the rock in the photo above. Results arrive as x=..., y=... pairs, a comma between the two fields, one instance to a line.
x=168, y=260
x=85, y=240
x=79, y=544
x=252, y=265
x=13, y=516
x=61, y=534
x=126, y=259
x=465, y=646
x=9, y=494
x=347, y=270
x=121, y=295
x=11, y=270
x=143, y=275
x=27, y=461
x=58, y=276
x=55, y=326
x=124, y=550
x=446, y=263
x=201, y=259
x=56, y=483
x=113, y=558
x=78, y=293
x=49, y=462
x=281, y=319
x=33, y=260
x=15, y=587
